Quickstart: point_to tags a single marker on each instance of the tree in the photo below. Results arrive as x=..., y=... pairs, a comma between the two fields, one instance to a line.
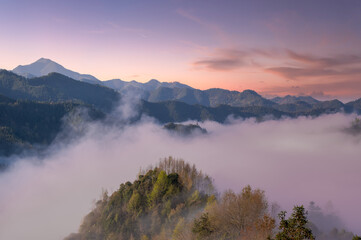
x=182, y=230
x=236, y=216
x=295, y=227
x=202, y=227
x=159, y=189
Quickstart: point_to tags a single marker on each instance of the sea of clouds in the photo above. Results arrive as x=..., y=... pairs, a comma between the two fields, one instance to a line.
x=294, y=160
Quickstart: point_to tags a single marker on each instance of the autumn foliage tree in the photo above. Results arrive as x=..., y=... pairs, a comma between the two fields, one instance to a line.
x=236, y=216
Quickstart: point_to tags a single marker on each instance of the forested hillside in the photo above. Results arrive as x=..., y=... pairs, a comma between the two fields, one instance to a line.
x=174, y=200
x=57, y=88
x=158, y=205
x=25, y=123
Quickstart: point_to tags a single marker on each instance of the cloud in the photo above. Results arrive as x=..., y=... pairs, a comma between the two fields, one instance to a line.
x=324, y=62
x=285, y=63
x=306, y=66
x=296, y=73
x=219, y=64
x=223, y=60
x=214, y=29
x=294, y=160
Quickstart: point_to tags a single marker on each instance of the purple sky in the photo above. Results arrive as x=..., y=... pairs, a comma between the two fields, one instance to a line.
x=274, y=47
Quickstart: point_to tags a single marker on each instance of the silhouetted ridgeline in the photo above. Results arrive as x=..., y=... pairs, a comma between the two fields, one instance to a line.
x=32, y=108
x=57, y=88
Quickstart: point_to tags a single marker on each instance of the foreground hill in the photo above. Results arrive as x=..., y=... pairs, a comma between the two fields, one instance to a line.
x=166, y=202
x=174, y=200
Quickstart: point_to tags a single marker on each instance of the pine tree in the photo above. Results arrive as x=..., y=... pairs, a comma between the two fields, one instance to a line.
x=295, y=227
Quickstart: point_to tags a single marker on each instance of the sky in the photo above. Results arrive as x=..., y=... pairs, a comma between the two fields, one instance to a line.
x=275, y=47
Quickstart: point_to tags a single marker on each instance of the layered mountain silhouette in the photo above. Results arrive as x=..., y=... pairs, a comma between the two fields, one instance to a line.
x=155, y=91
x=56, y=87
x=32, y=108
x=45, y=79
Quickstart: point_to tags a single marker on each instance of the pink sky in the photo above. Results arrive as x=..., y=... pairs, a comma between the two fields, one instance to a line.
x=276, y=49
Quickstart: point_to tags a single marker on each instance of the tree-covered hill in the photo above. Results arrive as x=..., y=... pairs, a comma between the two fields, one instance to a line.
x=154, y=206
x=184, y=129
x=27, y=123
x=176, y=201
x=57, y=88
x=173, y=111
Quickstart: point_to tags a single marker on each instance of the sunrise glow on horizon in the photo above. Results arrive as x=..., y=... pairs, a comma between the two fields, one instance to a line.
x=273, y=47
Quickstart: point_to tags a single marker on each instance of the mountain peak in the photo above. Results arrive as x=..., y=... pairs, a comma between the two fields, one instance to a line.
x=44, y=66
x=45, y=60
x=251, y=92
x=153, y=81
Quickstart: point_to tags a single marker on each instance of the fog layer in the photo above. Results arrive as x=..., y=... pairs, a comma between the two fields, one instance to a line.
x=294, y=160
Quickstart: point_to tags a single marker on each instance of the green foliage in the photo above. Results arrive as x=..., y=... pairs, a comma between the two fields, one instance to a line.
x=24, y=124
x=356, y=237
x=160, y=188
x=202, y=226
x=294, y=228
x=151, y=207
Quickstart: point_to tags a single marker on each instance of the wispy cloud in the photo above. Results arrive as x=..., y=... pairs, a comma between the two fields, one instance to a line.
x=324, y=62
x=305, y=65
x=214, y=29
x=296, y=73
x=219, y=64
x=223, y=60
x=229, y=59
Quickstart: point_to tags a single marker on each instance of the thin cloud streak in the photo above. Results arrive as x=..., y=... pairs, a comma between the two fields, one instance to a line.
x=216, y=30
x=307, y=66
x=297, y=73
x=219, y=64
x=226, y=59
x=324, y=62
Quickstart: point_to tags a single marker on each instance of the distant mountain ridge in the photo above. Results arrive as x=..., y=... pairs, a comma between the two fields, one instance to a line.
x=295, y=99
x=31, y=109
x=155, y=91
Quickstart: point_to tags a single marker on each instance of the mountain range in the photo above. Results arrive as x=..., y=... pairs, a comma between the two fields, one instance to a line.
x=32, y=108
x=46, y=80
x=155, y=91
